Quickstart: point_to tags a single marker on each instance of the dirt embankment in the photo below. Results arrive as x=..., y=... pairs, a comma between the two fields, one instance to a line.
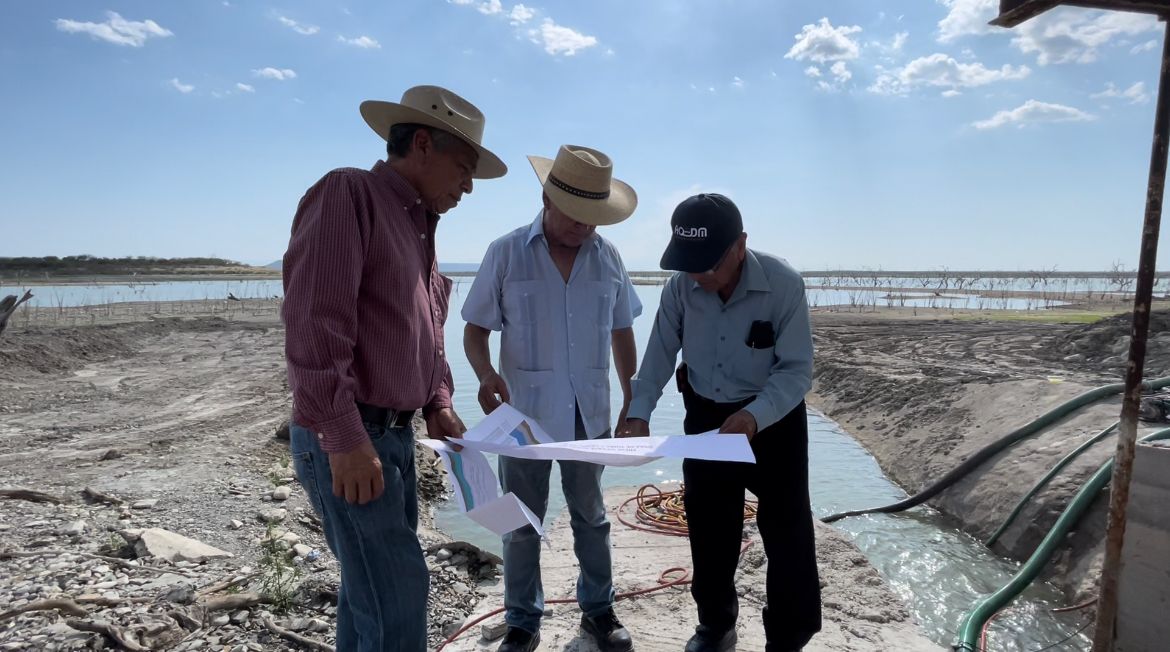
x=924, y=395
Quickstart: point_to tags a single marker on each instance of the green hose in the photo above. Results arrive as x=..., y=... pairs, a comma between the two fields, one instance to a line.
x=1043, y=482
x=973, y=625
x=1003, y=443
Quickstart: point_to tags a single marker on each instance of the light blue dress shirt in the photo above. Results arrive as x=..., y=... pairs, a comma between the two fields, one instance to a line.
x=555, y=338
x=713, y=338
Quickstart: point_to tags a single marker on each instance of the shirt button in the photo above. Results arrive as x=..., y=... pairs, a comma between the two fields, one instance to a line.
x=720, y=365
x=423, y=236
x=418, y=201
x=722, y=338
x=717, y=390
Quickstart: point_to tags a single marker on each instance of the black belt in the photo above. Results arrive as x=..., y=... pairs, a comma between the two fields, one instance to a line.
x=385, y=417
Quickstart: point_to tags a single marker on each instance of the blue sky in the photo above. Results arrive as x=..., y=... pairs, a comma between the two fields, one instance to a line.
x=853, y=133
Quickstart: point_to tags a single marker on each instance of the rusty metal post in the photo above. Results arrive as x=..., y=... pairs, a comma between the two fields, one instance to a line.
x=1123, y=467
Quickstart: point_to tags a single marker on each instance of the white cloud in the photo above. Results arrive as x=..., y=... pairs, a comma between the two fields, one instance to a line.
x=245, y=88
x=555, y=38
x=520, y=14
x=116, y=30
x=841, y=72
x=812, y=71
x=1148, y=46
x=1033, y=112
x=821, y=43
x=361, y=42
x=279, y=74
x=1136, y=94
x=942, y=71
x=558, y=39
x=307, y=30
x=966, y=18
x=737, y=82
x=1063, y=35
x=1076, y=35
x=180, y=86
x=951, y=93
x=899, y=41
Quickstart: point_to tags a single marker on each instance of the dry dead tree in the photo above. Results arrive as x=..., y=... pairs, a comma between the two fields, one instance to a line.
x=9, y=305
x=29, y=494
x=297, y=638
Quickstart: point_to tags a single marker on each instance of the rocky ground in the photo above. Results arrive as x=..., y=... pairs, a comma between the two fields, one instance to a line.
x=924, y=394
x=144, y=430
x=860, y=612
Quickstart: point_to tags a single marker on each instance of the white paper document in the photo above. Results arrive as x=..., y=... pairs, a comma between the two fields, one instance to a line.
x=477, y=493
x=508, y=432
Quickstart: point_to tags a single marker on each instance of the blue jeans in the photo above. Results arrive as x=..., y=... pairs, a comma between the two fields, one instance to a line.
x=581, y=482
x=382, y=603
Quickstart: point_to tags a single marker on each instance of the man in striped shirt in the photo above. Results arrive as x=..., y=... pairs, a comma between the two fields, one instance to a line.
x=364, y=312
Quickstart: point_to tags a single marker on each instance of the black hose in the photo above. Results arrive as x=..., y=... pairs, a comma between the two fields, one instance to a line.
x=1003, y=443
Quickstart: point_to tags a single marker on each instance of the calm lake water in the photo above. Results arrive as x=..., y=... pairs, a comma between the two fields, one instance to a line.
x=838, y=292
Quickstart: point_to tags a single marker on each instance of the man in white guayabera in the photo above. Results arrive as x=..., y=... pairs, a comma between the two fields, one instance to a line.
x=561, y=296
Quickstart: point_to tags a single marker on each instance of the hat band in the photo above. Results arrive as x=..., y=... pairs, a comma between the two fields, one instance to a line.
x=577, y=191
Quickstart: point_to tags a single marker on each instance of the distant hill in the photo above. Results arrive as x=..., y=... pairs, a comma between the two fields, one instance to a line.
x=444, y=268
x=94, y=266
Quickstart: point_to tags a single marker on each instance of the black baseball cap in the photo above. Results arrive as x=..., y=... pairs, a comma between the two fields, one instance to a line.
x=702, y=228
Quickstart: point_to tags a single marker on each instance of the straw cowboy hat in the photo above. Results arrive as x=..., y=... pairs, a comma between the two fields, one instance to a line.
x=440, y=108
x=580, y=182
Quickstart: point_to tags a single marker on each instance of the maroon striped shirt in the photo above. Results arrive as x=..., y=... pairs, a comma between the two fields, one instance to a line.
x=364, y=304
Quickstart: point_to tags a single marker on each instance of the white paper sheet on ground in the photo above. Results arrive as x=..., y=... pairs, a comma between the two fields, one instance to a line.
x=476, y=491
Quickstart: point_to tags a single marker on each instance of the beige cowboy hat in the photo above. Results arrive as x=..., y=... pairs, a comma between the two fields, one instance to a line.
x=580, y=182
x=440, y=108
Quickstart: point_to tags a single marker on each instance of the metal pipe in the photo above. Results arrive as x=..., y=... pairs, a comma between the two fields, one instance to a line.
x=1106, y=625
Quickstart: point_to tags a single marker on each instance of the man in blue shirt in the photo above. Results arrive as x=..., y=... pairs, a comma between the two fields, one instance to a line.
x=562, y=299
x=740, y=318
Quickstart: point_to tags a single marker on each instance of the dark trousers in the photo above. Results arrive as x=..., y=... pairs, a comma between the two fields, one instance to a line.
x=714, y=496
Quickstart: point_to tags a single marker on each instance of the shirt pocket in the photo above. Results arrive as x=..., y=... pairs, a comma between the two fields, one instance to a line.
x=533, y=393
x=522, y=343
x=593, y=395
x=753, y=366
x=595, y=318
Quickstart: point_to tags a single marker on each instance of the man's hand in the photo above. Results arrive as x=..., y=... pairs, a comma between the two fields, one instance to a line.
x=445, y=424
x=634, y=428
x=357, y=474
x=740, y=422
x=621, y=421
x=492, y=391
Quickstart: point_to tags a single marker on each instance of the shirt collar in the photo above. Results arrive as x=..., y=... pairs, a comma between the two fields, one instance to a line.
x=397, y=183
x=536, y=230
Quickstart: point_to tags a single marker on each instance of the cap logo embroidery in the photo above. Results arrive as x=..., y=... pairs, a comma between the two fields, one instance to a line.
x=693, y=232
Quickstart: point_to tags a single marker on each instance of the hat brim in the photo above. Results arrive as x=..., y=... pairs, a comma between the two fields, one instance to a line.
x=689, y=258
x=617, y=207
x=383, y=115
